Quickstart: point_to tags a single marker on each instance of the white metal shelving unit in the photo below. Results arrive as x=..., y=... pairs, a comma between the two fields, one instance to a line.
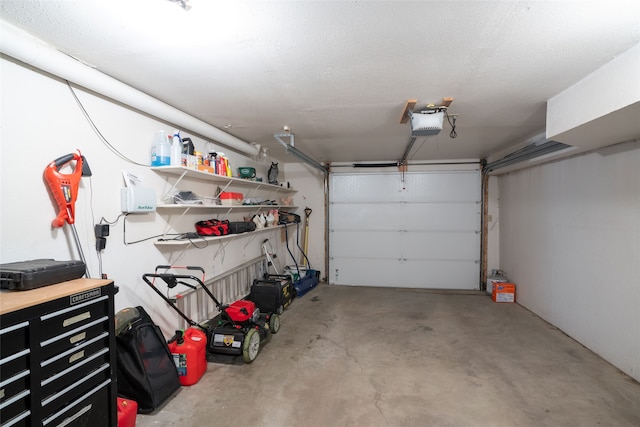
x=182, y=172
x=225, y=182
x=184, y=243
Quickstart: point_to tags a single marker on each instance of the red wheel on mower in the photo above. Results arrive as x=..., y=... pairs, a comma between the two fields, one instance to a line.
x=251, y=346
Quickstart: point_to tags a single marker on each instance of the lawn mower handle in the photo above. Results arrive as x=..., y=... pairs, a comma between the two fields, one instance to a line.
x=166, y=277
x=172, y=278
x=188, y=267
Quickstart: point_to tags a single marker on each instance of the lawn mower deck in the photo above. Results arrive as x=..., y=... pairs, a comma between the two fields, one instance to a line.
x=238, y=329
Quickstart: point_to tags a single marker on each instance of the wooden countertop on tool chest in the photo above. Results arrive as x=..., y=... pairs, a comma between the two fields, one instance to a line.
x=12, y=300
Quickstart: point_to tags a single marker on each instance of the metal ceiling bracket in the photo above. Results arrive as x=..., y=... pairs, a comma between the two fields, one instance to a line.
x=291, y=149
x=408, y=150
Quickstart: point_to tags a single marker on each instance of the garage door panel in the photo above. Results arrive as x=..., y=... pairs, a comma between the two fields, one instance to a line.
x=439, y=274
x=441, y=245
x=362, y=272
x=442, y=187
x=447, y=216
x=426, y=236
x=404, y=274
x=374, y=216
x=358, y=188
x=364, y=244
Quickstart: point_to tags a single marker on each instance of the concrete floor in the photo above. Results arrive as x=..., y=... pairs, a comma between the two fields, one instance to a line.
x=348, y=356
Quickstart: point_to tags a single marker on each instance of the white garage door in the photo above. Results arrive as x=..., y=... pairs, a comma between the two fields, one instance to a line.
x=425, y=236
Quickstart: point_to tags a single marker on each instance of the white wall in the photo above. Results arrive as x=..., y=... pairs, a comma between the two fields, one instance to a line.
x=41, y=122
x=493, y=225
x=570, y=240
x=309, y=183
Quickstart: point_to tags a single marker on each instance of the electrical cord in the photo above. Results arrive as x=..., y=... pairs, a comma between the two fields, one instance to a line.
x=97, y=131
x=453, y=133
x=124, y=234
x=192, y=237
x=103, y=220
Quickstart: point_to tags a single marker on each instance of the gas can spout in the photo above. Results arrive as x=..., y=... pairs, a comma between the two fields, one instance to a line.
x=177, y=338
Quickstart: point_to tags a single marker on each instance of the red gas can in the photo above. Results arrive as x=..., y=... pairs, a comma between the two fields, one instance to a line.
x=127, y=410
x=189, y=352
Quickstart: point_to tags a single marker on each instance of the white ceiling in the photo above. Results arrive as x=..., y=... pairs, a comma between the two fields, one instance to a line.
x=339, y=72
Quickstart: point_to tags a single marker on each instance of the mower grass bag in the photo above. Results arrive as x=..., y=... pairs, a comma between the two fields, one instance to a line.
x=273, y=294
x=146, y=371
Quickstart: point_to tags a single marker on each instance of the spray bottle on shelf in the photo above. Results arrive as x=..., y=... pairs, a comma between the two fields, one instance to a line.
x=176, y=149
x=221, y=169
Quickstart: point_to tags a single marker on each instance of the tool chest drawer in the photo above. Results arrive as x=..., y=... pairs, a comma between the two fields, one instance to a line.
x=74, y=339
x=56, y=383
x=75, y=390
x=79, y=360
x=61, y=321
x=57, y=355
x=93, y=409
x=14, y=393
x=14, y=338
x=14, y=370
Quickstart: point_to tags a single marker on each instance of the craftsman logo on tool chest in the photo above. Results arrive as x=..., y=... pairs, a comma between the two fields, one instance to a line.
x=78, y=298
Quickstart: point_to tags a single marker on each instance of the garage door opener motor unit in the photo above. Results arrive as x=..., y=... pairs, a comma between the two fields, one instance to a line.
x=238, y=329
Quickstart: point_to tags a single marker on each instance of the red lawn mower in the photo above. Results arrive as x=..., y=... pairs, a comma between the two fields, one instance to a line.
x=238, y=329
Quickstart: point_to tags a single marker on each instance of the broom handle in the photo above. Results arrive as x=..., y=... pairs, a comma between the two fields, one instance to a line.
x=307, y=214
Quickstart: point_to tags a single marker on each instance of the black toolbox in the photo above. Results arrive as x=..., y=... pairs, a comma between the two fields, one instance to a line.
x=272, y=294
x=25, y=275
x=237, y=227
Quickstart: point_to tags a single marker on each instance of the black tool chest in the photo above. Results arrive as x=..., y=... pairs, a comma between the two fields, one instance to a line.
x=57, y=355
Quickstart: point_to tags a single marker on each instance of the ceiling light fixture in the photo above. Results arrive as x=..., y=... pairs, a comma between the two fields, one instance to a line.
x=182, y=3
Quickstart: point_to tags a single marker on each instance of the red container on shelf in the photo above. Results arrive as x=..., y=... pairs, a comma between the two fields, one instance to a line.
x=189, y=355
x=230, y=198
x=127, y=411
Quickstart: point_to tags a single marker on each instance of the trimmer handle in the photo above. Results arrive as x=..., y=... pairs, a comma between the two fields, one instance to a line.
x=64, y=187
x=63, y=160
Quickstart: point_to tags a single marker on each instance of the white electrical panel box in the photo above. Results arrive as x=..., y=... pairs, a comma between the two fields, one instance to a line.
x=138, y=200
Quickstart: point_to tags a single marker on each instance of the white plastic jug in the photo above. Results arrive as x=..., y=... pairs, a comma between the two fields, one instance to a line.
x=160, y=150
